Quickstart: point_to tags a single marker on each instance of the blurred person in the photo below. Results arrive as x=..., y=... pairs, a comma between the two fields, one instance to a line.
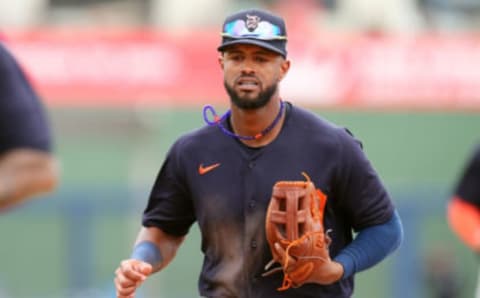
x=303, y=16
x=441, y=277
x=27, y=165
x=221, y=176
x=176, y=15
x=450, y=15
x=22, y=14
x=378, y=15
x=463, y=209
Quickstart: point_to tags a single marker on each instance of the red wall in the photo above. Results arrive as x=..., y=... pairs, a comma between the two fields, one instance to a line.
x=124, y=67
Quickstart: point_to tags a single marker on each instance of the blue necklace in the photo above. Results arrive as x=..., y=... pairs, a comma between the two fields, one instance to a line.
x=218, y=121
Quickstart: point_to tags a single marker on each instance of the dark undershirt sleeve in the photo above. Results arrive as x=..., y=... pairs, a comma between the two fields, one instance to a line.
x=372, y=245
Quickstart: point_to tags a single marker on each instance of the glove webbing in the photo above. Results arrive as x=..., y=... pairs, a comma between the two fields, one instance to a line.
x=287, y=280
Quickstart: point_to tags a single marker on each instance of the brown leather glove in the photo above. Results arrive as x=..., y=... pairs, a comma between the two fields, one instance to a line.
x=295, y=233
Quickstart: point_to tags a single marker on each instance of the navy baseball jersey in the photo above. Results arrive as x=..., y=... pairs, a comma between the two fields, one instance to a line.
x=468, y=187
x=225, y=186
x=23, y=122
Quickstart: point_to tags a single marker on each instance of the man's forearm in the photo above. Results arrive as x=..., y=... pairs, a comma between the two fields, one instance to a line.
x=24, y=174
x=156, y=247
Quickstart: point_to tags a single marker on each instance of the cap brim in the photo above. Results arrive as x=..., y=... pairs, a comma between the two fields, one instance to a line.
x=256, y=42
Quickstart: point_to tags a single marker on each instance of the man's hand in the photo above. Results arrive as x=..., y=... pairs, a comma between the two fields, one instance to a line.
x=129, y=276
x=316, y=268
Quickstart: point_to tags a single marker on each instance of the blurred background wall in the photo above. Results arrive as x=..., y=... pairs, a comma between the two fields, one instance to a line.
x=122, y=79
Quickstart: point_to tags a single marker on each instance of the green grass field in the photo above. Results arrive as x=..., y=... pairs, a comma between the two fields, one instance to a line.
x=68, y=244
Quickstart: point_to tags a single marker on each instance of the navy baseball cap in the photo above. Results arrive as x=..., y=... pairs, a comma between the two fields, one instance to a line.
x=256, y=27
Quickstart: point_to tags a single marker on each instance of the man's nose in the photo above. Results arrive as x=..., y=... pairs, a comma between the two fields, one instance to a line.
x=248, y=66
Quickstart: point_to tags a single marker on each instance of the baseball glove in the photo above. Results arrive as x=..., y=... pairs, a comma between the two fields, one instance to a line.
x=295, y=234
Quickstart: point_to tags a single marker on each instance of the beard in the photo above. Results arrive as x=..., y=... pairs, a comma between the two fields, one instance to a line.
x=251, y=103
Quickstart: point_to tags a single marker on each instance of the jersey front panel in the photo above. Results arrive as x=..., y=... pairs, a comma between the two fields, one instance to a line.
x=22, y=117
x=215, y=180
x=468, y=188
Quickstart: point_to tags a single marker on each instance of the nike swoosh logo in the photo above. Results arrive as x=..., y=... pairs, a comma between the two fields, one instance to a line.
x=203, y=170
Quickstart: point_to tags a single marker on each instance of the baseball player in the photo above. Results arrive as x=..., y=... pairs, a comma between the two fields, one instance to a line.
x=463, y=209
x=27, y=165
x=221, y=176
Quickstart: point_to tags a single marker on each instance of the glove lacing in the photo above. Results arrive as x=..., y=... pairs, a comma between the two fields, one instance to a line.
x=287, y=280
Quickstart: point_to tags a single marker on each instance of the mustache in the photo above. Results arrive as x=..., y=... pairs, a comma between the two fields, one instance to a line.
x=249, y=76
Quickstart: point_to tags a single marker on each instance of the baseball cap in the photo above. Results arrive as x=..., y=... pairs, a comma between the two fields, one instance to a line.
x=257, y=27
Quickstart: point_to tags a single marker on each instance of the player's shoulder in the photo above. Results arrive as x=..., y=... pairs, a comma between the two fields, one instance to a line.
x=198, y=139
x=319, y=129
x=11, y=70
x=475, y=156
x=6, y=57
x=3, y=49
x=476, y=151
x=315, y=122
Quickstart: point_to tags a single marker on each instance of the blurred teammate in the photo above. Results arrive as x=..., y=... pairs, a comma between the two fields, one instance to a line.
x=221, y=176
x=27, y=167
x=463, y=211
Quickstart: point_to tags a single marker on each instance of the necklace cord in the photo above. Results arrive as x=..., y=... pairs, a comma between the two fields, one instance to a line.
x=218, y=122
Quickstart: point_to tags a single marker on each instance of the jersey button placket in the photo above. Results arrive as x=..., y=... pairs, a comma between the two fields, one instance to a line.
x=251, y=203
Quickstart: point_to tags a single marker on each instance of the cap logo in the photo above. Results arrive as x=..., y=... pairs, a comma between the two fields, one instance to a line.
x=253, y=27
x=252, y=22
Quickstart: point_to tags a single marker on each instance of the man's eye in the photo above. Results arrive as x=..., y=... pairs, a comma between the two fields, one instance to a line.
x=260, y=59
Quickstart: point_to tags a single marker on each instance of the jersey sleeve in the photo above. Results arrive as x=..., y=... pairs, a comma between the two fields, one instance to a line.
x=169, y=205
x=467, y=187
x=23, y=118
x=363, y=197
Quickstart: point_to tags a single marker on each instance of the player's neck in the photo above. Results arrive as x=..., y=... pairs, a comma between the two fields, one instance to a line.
x=253, y=122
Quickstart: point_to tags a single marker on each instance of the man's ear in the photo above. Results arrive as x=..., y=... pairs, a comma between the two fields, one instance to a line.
x=284, y=67
x=220, y=60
